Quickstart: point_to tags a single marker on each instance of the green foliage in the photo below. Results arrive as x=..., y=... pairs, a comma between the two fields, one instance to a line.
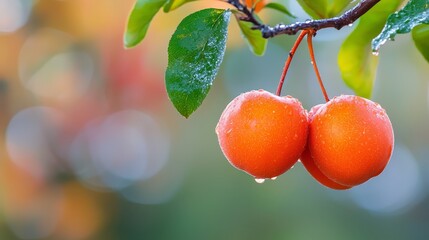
x=254, y=39
x=319, y=9
x=139, y=20
x=414, y=13
x=174, y=4
x=195, y=52
x=279, y=7
x=421, y=39
x=197, y=47
x=357, y=65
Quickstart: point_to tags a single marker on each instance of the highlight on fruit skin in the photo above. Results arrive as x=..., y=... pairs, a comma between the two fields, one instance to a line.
x=263, y=134
x=350, y=140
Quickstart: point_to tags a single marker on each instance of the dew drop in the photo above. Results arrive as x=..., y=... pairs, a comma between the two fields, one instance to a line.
x=351, y=25
x=273, y=178
x=375, y=53
x=260, y=180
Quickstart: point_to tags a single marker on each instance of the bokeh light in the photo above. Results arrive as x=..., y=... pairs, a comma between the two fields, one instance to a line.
x=50, y=67
x=30, y=137
x=123, y=148
x=14, y=14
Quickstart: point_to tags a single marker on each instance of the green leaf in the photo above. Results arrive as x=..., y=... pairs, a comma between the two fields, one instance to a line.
x=279, y=7
x=319, y=9
x=421, y=39
x=138, y=22
x=358, y=66
x=335, y=7
x=314, y=8
x=254, y=38
x=414, y=13
x=195, y=52
x=174, y=4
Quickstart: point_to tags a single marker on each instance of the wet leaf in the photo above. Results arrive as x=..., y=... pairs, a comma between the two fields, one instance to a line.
x=414, y=13
x=138, y=22
x=358, y=66
x=195, y=52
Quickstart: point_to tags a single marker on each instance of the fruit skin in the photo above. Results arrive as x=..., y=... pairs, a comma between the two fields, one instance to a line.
x=315, y=172
x=263, y=134
x=308, y=162
x=351, y=139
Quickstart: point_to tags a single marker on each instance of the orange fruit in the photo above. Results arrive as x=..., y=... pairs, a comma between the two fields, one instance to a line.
x=263, y=134
x=350, y=139
x=308, y=162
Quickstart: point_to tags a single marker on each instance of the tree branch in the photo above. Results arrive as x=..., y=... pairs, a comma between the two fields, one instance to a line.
x=336, y=22
x=248, y=13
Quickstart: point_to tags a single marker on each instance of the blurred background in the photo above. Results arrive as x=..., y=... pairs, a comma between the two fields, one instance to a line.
x=91, y=148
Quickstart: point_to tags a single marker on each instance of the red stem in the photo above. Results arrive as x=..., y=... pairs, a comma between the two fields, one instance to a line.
x=313, y=62
x=289, y=60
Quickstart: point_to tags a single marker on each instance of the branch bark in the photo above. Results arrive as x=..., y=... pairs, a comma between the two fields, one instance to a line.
x=339, y=22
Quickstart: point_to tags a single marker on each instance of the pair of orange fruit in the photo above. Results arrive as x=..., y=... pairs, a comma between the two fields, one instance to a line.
x=341, y=143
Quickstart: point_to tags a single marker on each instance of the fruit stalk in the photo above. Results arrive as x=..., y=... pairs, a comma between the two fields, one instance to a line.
x=313, y=62
x=289, y=60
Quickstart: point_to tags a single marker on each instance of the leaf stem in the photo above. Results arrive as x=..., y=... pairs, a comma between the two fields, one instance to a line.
x=313, y=62
x=289, y=60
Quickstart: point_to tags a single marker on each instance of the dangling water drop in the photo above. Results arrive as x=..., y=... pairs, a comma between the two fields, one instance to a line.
x=273, y=178
x=260, y=180
x=375, y=53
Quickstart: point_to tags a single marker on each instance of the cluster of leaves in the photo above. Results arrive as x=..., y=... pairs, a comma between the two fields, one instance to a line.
x=197, y=47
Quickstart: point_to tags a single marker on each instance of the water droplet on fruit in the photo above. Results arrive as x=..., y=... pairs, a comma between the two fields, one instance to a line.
x=273, y=178
x=260, y=180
